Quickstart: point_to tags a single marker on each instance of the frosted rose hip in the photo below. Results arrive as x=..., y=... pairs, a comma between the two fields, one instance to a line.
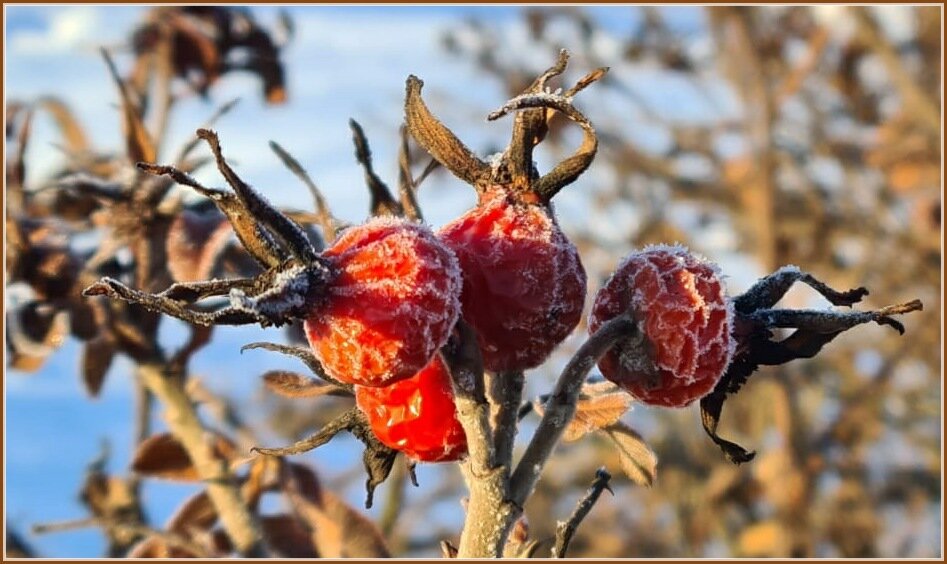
x=524, y=284
x=390, y=306
x=682, y=309
x=416, y=416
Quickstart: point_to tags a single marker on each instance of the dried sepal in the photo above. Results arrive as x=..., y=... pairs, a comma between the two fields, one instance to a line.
x=754, y=331
x=382, y=201
x=407, y=186
x=530, y=127
x=254, y=238
x=283, y=228
x=439, y=141
x=294, y=385
x=328, y=223
x=302, y=353
x=569, y=170
x=377, y=458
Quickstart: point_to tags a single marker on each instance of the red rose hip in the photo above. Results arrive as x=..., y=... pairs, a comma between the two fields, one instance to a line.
x=390, y=306
x=682, y=310
x=416, y=416
x=524, y=284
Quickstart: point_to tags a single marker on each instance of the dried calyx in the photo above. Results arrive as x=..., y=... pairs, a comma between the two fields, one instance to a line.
x=514, y=168
x=293, y=276
x=754, y=326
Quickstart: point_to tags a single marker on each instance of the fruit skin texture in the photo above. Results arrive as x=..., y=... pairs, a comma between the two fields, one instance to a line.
x=390, y=305
x=524, y=284
x=416, y=416
x=681, y=307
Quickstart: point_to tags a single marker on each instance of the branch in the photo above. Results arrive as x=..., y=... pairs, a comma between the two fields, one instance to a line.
x=561, y=405
x=505, y=395
x=566, y=529
x=489, y=512
x=171, y=539
x=241, y=525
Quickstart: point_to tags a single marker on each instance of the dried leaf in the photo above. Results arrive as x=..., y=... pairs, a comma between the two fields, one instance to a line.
x=597, y=412
x=163, y=456
x=97, y=356
x=139, y=145
x=601, y=404
x=338, y=530
x=288, y=537
x=294, y=385
x=637, y=459
x=198, y=512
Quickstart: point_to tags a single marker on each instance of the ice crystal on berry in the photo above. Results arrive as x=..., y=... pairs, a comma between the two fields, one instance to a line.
x=683, y=313
x=391, y=305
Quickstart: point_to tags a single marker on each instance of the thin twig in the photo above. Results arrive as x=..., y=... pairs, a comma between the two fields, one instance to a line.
x=561, y=405
x=241, y=525
x=566, y=529
x=131, y=529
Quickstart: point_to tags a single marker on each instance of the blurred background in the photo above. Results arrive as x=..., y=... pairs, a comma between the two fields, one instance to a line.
x=758, y=136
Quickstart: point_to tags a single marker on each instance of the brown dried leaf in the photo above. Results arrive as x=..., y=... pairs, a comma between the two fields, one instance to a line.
x=197, y=512
x=597, y=410
x=97, y=356
x=73, y=135
x=139, y=144
x=288, y=537
x=294, y=385
x=338, y=530
x=600, y=404
x=637, y=459
x=163, y=456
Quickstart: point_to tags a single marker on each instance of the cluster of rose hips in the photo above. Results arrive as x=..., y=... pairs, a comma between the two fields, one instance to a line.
x=385, y=297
